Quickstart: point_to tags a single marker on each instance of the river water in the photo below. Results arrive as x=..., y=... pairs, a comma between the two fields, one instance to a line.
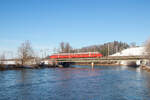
x=76, y=83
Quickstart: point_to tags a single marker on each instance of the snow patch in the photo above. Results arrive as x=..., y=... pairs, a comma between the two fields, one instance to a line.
x=135, y=51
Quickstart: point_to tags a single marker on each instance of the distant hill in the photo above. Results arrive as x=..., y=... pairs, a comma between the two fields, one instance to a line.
x=106, y=48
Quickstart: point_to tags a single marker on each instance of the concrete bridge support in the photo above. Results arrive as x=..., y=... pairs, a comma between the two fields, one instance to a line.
x=64, y=64
x=130, y=62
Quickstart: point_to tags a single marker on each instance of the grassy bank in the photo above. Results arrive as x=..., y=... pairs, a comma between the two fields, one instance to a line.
x=20, y=67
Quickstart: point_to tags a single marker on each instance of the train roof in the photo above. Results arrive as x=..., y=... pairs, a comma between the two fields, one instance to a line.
x=76, y=53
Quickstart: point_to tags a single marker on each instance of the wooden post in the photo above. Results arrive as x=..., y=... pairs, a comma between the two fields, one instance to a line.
x=92, y=64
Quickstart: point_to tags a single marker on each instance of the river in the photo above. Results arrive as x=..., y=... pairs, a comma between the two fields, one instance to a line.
x=75, y=83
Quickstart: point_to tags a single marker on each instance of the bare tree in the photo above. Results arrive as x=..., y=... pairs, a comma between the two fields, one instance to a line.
x=65, y=48
x=68, y=48
x=62, y=47
x=25, y=52
x=2, y=58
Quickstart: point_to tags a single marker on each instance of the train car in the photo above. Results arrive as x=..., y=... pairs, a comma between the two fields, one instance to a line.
x=77, y=55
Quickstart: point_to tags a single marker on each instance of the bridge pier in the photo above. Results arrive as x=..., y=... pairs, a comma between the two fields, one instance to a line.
x=65, y=64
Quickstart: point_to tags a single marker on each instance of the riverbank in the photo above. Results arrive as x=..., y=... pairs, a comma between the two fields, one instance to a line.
x=100, y=64
x=147, y=68
x=20, y=67
x=110, y=63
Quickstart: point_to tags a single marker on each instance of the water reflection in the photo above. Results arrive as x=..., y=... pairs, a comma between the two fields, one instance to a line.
x=76, y=83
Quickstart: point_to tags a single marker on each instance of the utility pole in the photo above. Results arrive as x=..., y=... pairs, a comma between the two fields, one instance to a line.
x=94, y=49
x=41, y=53
x=45, y=53
x=108, y=49
x=116, y=49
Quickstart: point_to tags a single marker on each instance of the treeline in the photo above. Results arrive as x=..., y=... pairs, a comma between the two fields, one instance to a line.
x=106, y=48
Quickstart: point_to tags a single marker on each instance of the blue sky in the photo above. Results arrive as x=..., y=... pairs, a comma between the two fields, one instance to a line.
x=80, y=22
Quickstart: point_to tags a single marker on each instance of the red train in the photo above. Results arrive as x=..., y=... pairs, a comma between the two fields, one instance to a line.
x=77, y=55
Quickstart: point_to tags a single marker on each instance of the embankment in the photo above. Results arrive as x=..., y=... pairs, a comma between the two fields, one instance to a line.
x=147, y=68
x=20, y=67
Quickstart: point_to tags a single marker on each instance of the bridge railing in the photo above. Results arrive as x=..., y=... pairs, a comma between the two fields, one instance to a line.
x=114, y=58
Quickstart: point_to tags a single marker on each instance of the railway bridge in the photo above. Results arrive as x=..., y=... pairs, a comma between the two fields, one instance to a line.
x=118, y=60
